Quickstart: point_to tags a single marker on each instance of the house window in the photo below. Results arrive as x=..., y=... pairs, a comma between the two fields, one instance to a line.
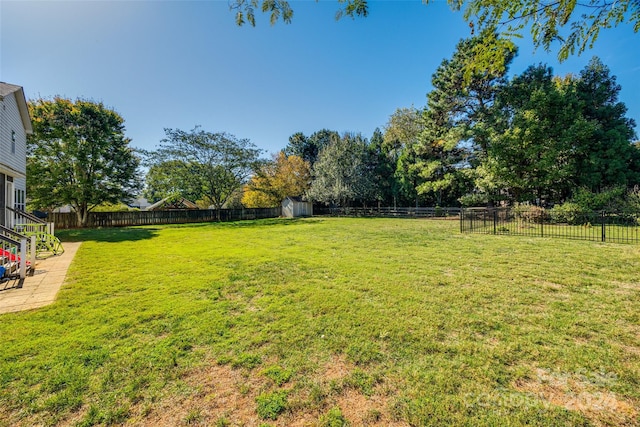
x=13, y=142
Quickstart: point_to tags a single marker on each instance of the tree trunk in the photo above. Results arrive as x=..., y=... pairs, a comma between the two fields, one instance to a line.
x=82, y=215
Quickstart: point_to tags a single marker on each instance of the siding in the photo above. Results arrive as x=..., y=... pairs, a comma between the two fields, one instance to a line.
x=10, y=121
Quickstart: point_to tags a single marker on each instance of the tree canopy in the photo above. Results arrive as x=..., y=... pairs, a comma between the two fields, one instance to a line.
x=575, y=26
x=284, y=176
x=207, y=165
x=78, y=155
x=343, y=173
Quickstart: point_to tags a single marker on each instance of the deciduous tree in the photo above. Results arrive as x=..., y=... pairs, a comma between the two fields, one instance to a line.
x=342, y=174
x=78, y=155
x=284, y=176
x=172, y=178
x=575, y=26
x=217, y=164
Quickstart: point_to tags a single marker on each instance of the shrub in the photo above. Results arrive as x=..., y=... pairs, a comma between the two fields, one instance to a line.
x=528, y=213
x=607, y=199
x=474, y=200
x=570, y=213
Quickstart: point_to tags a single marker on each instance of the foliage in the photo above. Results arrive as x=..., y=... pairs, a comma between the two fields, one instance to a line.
x=447, y=315
x=113, y=207
x=209, y=166
x=342, y=174
x=585, y=202
x=610, y=199
x=570, y=213
x=78, y=155
x=529, y=213
x=172, y=178
x=270, y=405
x=460, y=117
x=400, y=134
x=605, y=156
x=552, y=136
x=474, y=200
x=309, y=147
x=383, y=162
x=633, y=200
x=284, y=176
x=531, y=145
x=333, y=418
x=547, y=20
x=277, y=374
x=575, y=26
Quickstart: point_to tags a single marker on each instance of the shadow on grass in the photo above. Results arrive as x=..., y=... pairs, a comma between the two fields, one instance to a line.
x=123, y=234
x=248, y=223
x=113, y=235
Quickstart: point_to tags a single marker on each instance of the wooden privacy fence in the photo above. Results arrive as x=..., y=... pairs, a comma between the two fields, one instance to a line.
x=125, y=219
x=391, y=212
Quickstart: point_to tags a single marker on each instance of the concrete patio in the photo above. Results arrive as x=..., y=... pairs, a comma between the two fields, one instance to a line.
x=41, y=288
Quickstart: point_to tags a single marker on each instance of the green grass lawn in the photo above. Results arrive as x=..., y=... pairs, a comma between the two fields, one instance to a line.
x=329, y=322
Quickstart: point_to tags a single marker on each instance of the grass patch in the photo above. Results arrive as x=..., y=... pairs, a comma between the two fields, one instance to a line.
x=391, y=321
x=270, y=405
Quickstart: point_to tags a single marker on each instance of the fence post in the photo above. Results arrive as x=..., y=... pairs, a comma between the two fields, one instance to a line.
x=544, y=213
x=461, y=221
x=495, y=221
x=604, y=233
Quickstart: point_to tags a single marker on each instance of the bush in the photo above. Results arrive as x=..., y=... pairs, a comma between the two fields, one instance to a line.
x=474, y=200
x=610, y=199
x=529, y=213
x=570, y=213
x=632, y=204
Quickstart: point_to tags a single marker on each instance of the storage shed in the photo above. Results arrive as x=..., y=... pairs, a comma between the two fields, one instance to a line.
x=294, y=207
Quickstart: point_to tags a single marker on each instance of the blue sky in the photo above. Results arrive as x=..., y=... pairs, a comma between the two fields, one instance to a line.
x=178, y=64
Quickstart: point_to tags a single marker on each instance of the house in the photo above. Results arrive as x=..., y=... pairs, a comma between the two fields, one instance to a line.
x=293, y=207
x=15, y=125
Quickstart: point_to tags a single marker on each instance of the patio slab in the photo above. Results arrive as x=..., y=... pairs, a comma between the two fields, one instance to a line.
x=41, y=288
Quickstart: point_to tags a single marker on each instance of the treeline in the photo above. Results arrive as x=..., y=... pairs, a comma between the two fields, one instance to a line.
x=484, y=139
x=481, y=139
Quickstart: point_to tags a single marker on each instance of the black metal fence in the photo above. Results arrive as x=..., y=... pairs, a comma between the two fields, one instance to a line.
x=389, y=212
x=125, y=219
x=533, y=221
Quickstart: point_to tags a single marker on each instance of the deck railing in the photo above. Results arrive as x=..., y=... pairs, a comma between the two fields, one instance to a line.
x=17, y=253
x=43, y=232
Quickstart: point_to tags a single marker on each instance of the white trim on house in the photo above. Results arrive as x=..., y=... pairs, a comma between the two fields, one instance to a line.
x=6, y=170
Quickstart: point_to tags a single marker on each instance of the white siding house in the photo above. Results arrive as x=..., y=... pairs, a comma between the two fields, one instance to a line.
x=15, y=124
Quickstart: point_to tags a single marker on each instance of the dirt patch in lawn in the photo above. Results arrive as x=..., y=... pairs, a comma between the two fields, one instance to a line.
x=222, y=395
x=581, y=392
